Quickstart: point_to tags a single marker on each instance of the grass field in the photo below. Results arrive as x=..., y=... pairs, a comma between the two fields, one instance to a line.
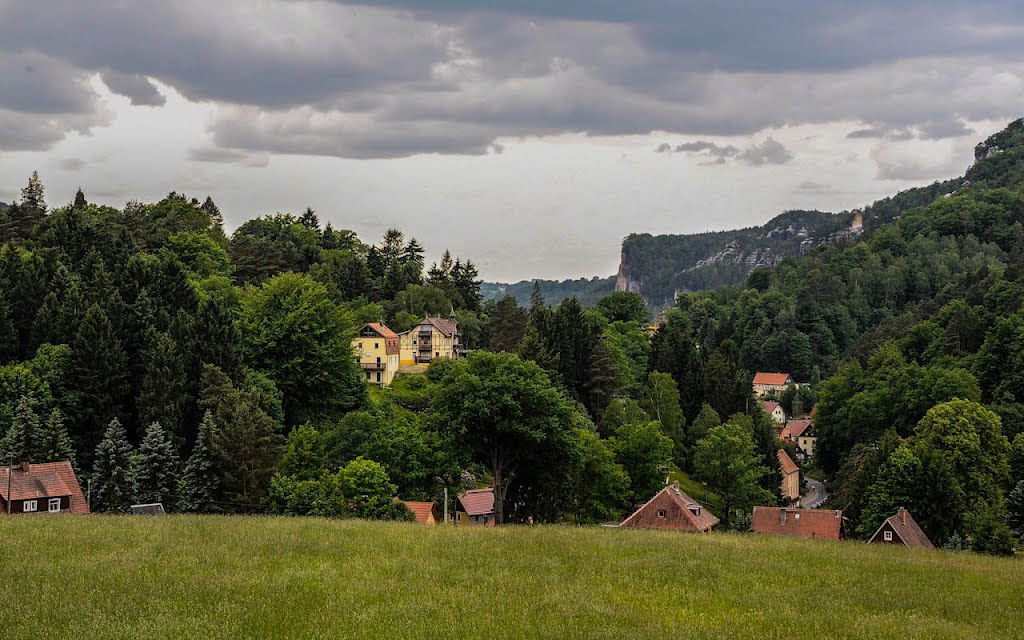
x=262, y=577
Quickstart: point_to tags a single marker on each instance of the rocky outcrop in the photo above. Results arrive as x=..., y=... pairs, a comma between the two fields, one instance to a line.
x=623, y=281
x=985, y=150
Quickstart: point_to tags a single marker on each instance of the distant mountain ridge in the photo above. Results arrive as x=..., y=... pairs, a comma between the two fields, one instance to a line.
x=588, y=292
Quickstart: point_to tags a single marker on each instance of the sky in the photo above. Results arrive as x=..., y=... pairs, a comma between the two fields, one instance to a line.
x=529, y=136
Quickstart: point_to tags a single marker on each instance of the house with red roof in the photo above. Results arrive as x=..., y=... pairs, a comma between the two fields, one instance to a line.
x=425, y=512
x=475, y=507
x=672, y=509
x=814, y=524
x=901, y=529
x=51, y=487
x=775, y=410
x=790, y=476
x=802, y=433
x=431, y=339
x=766, y=383
x=379, y=351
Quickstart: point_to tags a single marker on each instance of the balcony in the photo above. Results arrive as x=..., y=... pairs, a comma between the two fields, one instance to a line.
x=373, y=366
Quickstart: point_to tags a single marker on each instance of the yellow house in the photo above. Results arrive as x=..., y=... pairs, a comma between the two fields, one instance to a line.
x=790, y=484
x=802, y=433
x=379, y=350
x=431, y=339
x=768, y=383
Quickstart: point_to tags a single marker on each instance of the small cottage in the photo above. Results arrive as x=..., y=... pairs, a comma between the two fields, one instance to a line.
x=51, y=487
x=425, y=512
x=475, y=507
x=901, y=529
x=775, y=410
x=672, y=509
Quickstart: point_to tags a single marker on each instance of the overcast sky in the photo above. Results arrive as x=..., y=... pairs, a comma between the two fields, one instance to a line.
x=530, y=136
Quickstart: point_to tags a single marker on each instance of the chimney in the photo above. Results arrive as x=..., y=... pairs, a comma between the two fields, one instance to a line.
x=24, y=465
x=903, y=515
x=675, y=485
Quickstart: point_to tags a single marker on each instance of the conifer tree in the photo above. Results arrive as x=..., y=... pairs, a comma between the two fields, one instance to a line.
x=163, y=395
x=98, y=374
x=156, y=479
x=54, y=443
x=200, y=485
x=113, y=477
x=310, y=220
x=79, y=199
x=8, y=333
x=211, y=209
x=32, y=200
x=536, y=298
x=21, y=443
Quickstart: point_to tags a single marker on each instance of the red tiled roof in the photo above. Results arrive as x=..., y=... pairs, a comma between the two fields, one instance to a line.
x=904, y=525
x=772, y=378
x=47, y=480
x=769, y=406
x=382, y=330
x=447, y=326
x=785, y=433
x=697, y=518
x=422, y=511
x=818, y=524
x=797, y=427
x=786, y=463
x=477, y=502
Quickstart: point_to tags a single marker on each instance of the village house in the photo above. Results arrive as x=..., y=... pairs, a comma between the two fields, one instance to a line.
x=475, y=507
x=802, y=433
x=379, y=350
x=771, y=383
x=431, y=339
x=775, y=410
x=790, y=476
x=50, y=487
x=814, y=524
x=671, y=509
x=901, y=529
x=425, y=512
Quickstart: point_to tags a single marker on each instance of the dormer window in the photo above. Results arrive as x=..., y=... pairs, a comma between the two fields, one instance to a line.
x=695, y=509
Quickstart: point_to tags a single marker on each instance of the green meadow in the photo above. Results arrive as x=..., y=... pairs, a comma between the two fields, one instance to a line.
x=268, y=577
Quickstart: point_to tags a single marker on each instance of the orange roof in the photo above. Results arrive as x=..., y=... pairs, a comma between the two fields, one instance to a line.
x=777, y=379
x=816, y=524
x=47, y=480
x=784, y=433
x=382, y=330
x=422, y=511
x=786, y=463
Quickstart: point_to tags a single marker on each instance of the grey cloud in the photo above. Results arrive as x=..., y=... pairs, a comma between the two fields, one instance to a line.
x=770, y=151
x=664, y=147
x=713, y=149
x=228, y=156
x=943, y=128
x=72, y=164
x=136, y=87
x=809, y=187
x=865, y=133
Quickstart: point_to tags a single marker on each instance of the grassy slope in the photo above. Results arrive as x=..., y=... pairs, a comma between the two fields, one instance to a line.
x=214, y=577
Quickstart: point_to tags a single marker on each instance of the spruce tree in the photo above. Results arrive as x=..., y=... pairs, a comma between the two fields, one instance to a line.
x=113, y=485
x=98, y=374
x=8, y=333
x=1015, y=510
x=200, y=486
x=163, y=395
x=211, y=209
x=21, y=443
x=79, y=199
x=32, y=200
x=54, y=443
x=156, y=479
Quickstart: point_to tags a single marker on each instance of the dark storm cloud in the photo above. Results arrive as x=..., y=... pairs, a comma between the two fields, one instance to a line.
x=770, y=151
x=401, y=77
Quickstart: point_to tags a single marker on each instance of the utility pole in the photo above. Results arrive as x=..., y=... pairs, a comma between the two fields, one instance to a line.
x=446, y=505
x=10, y=463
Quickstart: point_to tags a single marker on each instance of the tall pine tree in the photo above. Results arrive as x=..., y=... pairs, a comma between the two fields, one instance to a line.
x=163, y=396
x=54, y=443
x=200, y=488
x=156, y=479
x=21, y=443
x=98, y=376
x=113, y=473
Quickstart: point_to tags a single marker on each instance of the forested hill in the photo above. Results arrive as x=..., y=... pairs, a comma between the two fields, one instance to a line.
x=588, y=292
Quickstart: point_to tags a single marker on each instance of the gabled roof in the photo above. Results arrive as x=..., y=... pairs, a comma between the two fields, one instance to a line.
x=447, y=326
x=700, y=518
x=786, y=463
x=47, y=480
x=769, y=406
x=477, y=502
x=819, y=524
x=422, y=510
x=784, y=432
x=797, y=427
x=905, y=527
x=772, y=378
x=381, y=330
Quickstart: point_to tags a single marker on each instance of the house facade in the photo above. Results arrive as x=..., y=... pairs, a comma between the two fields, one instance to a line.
x=775, y=410
x=813, y=524
x=50, y=488
x=475, y=507
x=431, y=339
x=671, y=508
x=802, y=433
x=379, y=350
x=901, y=529
x=766, y=383
x=790, y=485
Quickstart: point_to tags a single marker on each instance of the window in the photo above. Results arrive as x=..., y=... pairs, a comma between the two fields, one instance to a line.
x=887, y=536
x=376, y=345
x=662, y=513
x=29, y=506
x=360, y=345
x=378, y=376
x=54, y=504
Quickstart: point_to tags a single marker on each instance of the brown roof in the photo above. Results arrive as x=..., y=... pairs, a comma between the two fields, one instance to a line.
x=690, y=514
x=422, y=511
x=816, y=524
x=769, y=406
x=772, y=378
x=797, y=427
x=447, y=326
x=784, y=432
x=382, y=330
x=47, y=480
x=477, y=502
x=786, y=463
x=906, y=528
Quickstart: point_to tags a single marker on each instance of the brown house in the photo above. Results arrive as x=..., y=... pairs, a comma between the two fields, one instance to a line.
x=51, y=487
x=790, y=476
x=671, y=509
x=815, y=524
x=475, y=506
x=901, y=529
